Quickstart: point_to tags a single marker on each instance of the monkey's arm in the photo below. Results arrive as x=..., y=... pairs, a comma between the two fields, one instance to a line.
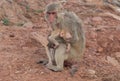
x=53, y=36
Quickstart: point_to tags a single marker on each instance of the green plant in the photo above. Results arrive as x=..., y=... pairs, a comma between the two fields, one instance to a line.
x=5, y=21
x=38, y=11
x=27, y=8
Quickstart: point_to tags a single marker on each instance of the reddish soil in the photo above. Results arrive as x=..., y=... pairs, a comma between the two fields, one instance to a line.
x=19, y=53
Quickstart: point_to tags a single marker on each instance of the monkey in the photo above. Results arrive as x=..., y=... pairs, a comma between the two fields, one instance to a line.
x=65, y=35
x=58, y=18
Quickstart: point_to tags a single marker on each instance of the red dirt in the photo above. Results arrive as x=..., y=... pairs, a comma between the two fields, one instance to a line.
x=19, y=54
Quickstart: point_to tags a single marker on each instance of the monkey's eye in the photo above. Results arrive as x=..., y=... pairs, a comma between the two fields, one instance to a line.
x=53, y=13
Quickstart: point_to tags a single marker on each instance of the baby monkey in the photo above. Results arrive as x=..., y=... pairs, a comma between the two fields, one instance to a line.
x=64, y=34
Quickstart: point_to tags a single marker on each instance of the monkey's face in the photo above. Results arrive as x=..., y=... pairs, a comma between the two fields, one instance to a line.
x=52, y=11
x=51, y=16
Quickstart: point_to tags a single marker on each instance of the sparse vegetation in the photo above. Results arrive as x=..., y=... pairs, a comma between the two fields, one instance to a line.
x=38, y=11
x=5, y=21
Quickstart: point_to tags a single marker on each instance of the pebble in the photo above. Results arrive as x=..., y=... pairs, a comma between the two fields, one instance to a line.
x=100, y=49
x=92, y=72
x=113, y=61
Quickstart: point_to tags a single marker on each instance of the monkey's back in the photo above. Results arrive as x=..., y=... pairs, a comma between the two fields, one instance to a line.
x=74, y=24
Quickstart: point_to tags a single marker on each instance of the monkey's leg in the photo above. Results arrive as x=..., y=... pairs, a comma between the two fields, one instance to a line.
x=75, y=61
x=74, y=69
x=53, y=36
x=50, y=54
x=60, y=57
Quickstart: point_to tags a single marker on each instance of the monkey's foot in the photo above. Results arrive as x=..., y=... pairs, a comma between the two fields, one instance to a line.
x=43, y=62
x=56, y=45
x=53, y=68
x=73, y=71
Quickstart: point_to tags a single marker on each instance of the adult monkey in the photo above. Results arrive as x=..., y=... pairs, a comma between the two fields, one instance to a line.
x=57, y=17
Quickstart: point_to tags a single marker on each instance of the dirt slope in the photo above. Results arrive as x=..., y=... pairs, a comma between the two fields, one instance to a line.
x=19, y=53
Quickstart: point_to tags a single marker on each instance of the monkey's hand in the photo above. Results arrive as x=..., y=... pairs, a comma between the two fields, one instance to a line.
x=68, y=47
x=50, y=45
x=56, y=45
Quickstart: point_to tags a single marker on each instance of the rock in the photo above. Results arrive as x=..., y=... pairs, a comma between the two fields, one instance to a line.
x=41, y=73
x=97, y=19
x=17, y=72
x=100, y=49
x=28, y=25
x=113, y=61
x=89, y=74
x=92, y=72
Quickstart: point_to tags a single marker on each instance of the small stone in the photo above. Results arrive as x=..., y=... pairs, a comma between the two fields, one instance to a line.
x=92, y=72
x=100, y=49
x=28, y=25
x=17, y=72
x=41, y=72
x=113, y=61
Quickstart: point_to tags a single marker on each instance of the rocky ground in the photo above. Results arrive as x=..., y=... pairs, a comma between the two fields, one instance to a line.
x=19, y=53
